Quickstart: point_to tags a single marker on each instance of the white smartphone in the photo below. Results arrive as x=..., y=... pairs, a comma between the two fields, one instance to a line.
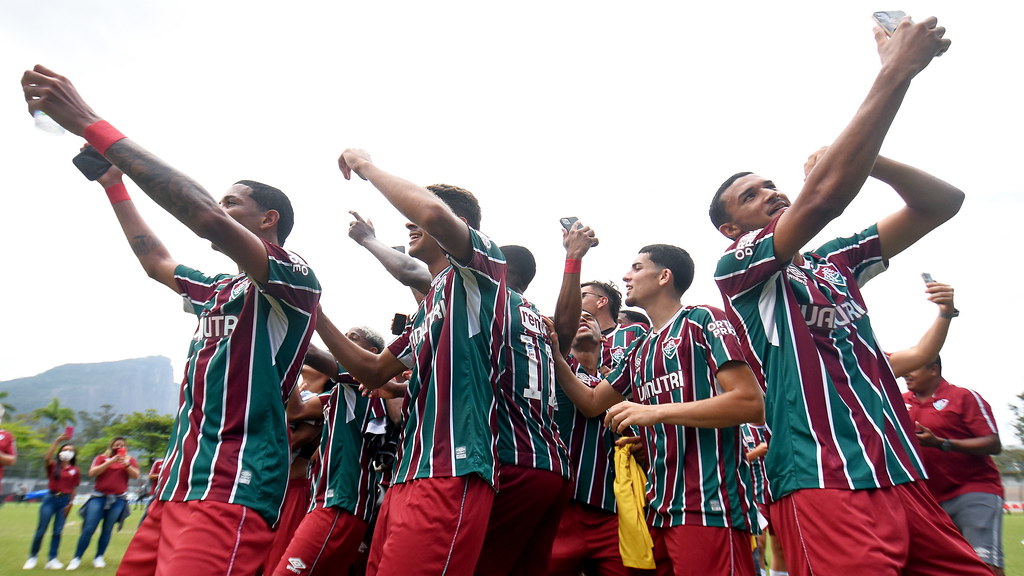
x=889, y=19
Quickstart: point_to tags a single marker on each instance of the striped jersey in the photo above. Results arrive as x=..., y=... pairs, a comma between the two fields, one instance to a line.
x=591, y=446
x=452, y=344
x=753, y=435
x=618, y=340
x=344, y=476
x=697, y=476
x=832, y=402
x=230, y=437
x=526, y=403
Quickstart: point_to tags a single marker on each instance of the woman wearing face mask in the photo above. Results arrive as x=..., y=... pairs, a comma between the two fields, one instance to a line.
x=108, y=501
x=64, y=478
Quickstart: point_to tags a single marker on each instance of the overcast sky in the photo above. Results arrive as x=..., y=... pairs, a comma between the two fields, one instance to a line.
x=626, y=115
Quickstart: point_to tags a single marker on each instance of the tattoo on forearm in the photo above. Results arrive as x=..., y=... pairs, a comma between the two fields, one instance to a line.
x=175, y=192
x=143, y=244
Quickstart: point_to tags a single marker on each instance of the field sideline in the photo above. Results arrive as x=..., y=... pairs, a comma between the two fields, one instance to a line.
x=18, y=522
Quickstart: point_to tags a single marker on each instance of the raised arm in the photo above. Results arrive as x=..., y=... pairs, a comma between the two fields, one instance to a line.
x=416, y=203
x=175, y=192
x=929, y=202
x=406, y=269
x=369, y=369
x=154, y=257
x=569, y=305
x=906, y=361
x=48, y=458
x=841, y=170
x=741, y=402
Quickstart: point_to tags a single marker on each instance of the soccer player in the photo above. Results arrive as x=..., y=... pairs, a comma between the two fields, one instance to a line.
x=434, y=516
x=839, y=439
x=224, y=474
x=692, y=388
x=344, y=483
x=533, y=473
x=957, y=433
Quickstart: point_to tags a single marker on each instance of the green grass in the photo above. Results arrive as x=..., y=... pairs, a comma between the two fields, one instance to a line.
x=18, y=523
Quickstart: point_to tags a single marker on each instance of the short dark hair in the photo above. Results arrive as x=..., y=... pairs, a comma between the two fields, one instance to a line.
x=270, y=198
x=676, y=260
x=461, y=201
x=636, y=317
x=611, y=292
x=521, y=266
x=717, y=211
x=937, y=362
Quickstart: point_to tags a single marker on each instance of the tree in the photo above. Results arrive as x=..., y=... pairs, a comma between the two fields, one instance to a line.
x=31, y=448
x=147, y=433
x=93, y=426
x=7, y=407
x=1018, y=418
x=59, y=417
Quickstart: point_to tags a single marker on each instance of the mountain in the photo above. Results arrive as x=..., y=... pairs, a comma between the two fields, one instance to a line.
x=127, y=385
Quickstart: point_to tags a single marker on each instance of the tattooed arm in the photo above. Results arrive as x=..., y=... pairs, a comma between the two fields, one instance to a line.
x=154, y=257
x=175, y=192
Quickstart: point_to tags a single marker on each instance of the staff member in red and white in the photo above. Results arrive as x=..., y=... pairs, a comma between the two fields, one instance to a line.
x=112, y=469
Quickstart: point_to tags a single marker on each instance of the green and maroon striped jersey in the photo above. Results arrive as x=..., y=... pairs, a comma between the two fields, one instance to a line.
x=697, y=476
x=832, y=403
x=527, y=435
x=591, y=446
x=230, y=438
x=618, y=341
x=344, y=475
x=753, y=435
x=452, y=345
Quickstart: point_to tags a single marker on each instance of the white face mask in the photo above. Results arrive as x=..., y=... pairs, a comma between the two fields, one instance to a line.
x=66, y=455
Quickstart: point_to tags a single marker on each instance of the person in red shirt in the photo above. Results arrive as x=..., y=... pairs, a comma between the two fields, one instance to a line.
x=112, y=471
x=8, y=449
x=958, y=436
x=64, y=477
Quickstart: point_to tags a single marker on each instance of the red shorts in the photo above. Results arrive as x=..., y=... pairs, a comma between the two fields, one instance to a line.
x=899, y=530
x=326, y=542
x=587, y=539
x=296, y=502
x=197, y=537
x=523, y=522
x=431, y=526
x=699, y=550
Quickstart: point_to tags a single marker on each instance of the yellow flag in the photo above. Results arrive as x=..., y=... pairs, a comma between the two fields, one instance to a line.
x=635, y=544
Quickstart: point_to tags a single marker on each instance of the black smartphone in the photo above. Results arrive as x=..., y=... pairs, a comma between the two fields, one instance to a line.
x=568, y=222
x=91, y=163
x=398, y=324
x=889, y=19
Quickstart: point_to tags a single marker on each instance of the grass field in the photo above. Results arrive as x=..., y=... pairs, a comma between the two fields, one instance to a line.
x=18, y=523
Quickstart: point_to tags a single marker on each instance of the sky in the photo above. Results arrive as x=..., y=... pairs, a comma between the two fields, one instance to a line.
x=627, y=116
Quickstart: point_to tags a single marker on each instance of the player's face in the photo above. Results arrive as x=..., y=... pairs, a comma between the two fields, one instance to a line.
x=642, y=281
x=588, y=332
x=238, y=203
x=422, y=246
x=752, y=202
x=593, y=299
x=922, y=380
x=117, y=445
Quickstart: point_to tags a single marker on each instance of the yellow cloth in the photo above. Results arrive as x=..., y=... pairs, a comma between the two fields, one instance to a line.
x=635, y=544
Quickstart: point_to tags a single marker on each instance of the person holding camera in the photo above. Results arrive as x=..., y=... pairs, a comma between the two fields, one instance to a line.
x=108, y=502
x=63, y=479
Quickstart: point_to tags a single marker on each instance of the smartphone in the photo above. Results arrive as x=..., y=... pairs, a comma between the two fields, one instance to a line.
x=69, y=432
x=91, y=163
x=927, y=277
x=568, y=222
x=889, y=19
x=398, y=324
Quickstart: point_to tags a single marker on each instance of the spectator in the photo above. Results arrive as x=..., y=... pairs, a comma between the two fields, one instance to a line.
x=108, y=502
x=63, y=478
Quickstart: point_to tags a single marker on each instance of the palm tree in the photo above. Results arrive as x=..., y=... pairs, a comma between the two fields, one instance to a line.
x=7, y=407
x=58, y=416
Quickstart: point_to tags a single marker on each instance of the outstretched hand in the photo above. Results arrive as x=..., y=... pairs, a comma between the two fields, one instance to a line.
x=913, y=45
x=49, y=92
x=352, y=160
x=578, y=240
x=360, y=230
x=942, y=295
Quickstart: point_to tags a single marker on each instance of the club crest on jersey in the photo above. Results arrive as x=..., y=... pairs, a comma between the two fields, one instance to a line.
x=829, y=273
x=618, y=353
x=240, y=287
x=670, y=346
x=940, y=403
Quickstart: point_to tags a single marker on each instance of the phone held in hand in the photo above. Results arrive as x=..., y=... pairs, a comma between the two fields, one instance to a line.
x=91, y=163
x=889, y=19
x=122, y=452
x=69, y=432
x=927, y=277
x=568, y=222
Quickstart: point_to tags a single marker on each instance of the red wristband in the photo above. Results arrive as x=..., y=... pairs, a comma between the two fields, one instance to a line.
x=117, y=193
x=573, y=265
x=102, y=135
